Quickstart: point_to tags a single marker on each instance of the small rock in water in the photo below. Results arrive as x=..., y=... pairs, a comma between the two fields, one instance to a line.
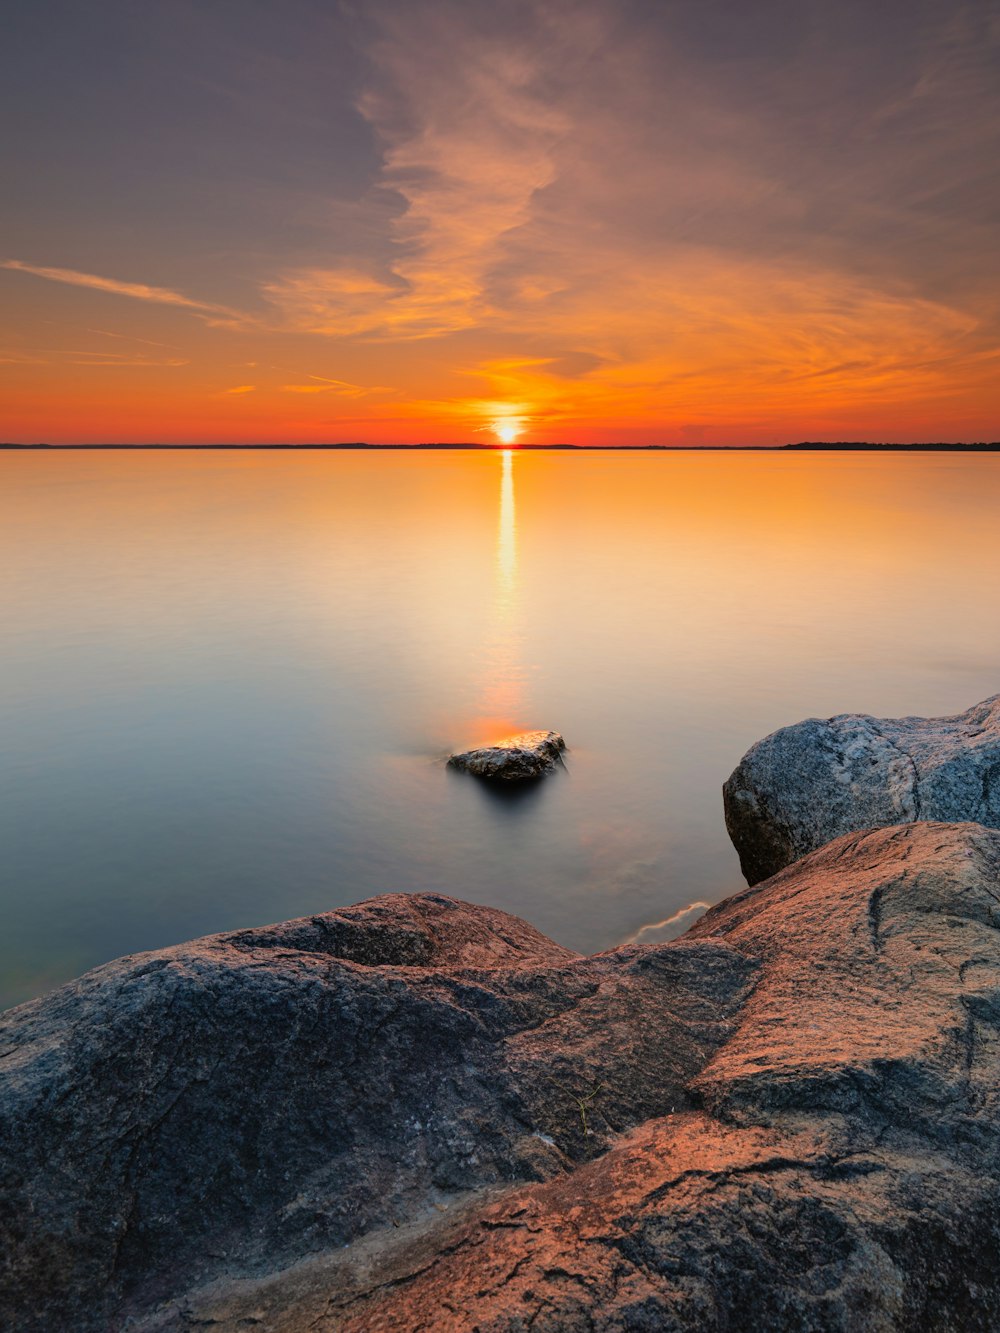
x=530, y=754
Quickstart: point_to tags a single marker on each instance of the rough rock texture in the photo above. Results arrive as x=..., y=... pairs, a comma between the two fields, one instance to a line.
x=804, y=785
x=237, y=1102
x=529, y=755
x=420, y=1114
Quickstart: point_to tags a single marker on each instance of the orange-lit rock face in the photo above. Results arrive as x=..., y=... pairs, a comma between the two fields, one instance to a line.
x=520, y=758
x=784, y=1118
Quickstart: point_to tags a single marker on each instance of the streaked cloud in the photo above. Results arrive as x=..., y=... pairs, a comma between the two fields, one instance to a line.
x=468, y=129
x=128, y=337
x=571, y=178
x=333, y=302
x=92, y=359
x=138, y=291
x=706, y=344
x=83, y=357
x=320, y=384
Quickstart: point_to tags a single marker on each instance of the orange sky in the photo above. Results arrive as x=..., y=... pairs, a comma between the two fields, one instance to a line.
x=597, y=223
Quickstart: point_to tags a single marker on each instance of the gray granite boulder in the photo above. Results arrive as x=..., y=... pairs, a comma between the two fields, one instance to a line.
x=521, y=758
x=806, y=784
x=417, y=1113
x=234, y=1104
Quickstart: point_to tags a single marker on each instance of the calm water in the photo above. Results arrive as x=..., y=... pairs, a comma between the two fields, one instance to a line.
x=229, y=681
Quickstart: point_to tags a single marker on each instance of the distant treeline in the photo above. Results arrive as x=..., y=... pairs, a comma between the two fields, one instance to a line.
x=869, y=445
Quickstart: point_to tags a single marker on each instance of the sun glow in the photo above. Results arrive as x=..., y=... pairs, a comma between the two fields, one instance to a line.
x=507, y=431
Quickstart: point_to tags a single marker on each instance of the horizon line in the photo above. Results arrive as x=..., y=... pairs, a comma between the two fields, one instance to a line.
x=842, y=445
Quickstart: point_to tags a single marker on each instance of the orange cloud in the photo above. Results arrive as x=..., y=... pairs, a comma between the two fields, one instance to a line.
x=597, y=225
x=710, y=344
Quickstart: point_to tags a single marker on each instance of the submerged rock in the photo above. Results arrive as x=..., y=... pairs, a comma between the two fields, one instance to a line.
x=520, y=758
x=420, y=1113
x=804, y=785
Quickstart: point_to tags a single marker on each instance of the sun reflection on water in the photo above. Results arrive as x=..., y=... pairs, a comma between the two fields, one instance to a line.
x=503, y=670
x=507, y=531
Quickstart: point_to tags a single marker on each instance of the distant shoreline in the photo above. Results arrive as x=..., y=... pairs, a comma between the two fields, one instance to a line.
x=806, y=446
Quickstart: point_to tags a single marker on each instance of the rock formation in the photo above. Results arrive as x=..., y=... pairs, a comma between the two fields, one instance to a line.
x=520, y=758
x=804, y=785
x=416, y=1113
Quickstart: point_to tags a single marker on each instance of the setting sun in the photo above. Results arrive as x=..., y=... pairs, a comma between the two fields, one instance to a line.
x=507, y=431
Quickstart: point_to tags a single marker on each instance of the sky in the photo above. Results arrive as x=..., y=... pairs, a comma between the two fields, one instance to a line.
x=590, y=221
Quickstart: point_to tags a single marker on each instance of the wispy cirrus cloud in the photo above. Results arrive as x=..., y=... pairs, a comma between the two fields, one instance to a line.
x=342, y=388
x=706, y=342
x=71, y=356
x=95, y=359
x=138, y=291
x=130, y=337
x=468, y=126
x=338, y=302
x=666, y=219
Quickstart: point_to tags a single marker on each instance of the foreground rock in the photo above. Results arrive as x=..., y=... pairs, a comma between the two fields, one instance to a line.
x=520, y=758
x=804, y=785
x=788, y=1119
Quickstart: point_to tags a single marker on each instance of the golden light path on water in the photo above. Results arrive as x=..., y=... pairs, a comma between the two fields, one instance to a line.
x=503, y=668
x=506, y=531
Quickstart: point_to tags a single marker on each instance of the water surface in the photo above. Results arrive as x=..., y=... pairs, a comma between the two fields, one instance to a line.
x=229, y=681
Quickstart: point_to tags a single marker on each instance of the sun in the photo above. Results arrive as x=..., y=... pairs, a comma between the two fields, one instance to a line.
x=507, y=431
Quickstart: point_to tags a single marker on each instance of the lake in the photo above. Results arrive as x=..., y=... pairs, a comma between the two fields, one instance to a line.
x=230, y=681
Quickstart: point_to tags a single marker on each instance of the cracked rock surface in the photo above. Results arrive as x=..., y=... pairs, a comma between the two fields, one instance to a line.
x=520, y=758
x=804, y=785
x=421, y=1114
x=249, y=1098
